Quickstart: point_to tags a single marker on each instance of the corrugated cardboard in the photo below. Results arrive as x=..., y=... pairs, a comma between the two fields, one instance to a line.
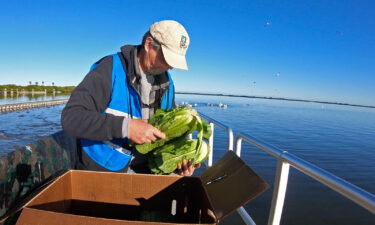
x=87, y=197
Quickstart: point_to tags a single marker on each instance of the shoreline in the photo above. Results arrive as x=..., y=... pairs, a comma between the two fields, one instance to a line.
x=275, y=98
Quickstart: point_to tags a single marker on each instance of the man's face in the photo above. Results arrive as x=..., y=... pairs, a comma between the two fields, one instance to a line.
x=157, y=63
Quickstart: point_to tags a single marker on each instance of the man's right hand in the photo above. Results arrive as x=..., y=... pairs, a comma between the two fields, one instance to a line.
x=141, y=132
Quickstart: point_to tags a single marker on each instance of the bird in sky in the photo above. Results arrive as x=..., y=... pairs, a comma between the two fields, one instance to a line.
x=340, y=33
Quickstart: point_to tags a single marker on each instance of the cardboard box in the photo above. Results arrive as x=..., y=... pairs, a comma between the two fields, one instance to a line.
x=91, y=198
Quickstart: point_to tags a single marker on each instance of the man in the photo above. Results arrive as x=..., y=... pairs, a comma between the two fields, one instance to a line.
x=117, y=97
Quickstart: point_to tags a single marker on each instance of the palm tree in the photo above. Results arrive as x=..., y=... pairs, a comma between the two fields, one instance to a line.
x=42, y=83
x=36, y=83
x=53, y=83
x=30, y=82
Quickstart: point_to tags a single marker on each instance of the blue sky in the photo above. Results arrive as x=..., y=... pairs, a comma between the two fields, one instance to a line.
x=320, y=50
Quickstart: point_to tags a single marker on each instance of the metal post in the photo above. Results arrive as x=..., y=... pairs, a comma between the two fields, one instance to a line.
x=245, y=216
x=230, y=139
x=279, y=190
x=238, y=145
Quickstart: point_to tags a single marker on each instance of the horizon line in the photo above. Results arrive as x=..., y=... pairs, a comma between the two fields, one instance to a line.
x=276, y=98
x=242, y=96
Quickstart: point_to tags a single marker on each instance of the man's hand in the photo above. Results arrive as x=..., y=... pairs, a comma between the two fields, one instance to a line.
x=141, y=132
x=186, y=168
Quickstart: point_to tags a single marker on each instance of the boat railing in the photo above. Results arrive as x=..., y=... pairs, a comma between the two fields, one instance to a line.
x=284, y=161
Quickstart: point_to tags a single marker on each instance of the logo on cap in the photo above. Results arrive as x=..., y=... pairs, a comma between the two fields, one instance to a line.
x=183, y=42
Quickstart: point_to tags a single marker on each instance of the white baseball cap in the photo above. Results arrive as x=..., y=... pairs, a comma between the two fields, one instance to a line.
x=174, y=41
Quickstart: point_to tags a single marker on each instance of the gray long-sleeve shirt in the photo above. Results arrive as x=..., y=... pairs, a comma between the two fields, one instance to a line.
x=83, y=115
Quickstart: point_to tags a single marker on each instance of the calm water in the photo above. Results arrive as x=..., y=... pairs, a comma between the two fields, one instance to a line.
x=338, y=139
x=27, y=98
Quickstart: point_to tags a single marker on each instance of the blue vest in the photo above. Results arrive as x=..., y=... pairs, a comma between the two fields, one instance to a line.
x=124, y=102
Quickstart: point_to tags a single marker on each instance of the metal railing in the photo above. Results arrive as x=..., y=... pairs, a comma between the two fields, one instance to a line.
x=285, y=160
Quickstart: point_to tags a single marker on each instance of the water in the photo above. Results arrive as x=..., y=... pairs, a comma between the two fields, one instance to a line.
x=339, y=139
x=27, y=98
x=26, y=126
x=16, y=127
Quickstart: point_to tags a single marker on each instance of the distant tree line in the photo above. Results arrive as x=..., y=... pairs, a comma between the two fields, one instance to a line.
x=36, y=87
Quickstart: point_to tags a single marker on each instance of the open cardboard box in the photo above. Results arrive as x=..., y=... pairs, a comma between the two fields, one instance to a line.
x=91, y=198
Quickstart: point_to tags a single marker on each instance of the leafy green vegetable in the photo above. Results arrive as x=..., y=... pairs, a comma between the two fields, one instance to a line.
x=177, y=123
x=167, y=157
x=173, y=123
x=202, y=152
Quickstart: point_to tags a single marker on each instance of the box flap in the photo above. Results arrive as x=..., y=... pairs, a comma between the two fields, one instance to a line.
x=230, y=183
x=37, y=190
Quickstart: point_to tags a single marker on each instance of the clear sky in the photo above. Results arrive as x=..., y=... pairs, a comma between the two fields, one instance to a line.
x=320, y=50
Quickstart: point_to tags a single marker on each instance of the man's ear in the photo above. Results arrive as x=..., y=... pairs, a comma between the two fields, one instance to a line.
x=148, y=43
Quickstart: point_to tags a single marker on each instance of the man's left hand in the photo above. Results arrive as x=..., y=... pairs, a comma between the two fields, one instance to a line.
x=186, y=168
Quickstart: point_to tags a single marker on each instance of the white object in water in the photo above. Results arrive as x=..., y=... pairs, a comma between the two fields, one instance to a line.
x=221, y=105
x=28, y=148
